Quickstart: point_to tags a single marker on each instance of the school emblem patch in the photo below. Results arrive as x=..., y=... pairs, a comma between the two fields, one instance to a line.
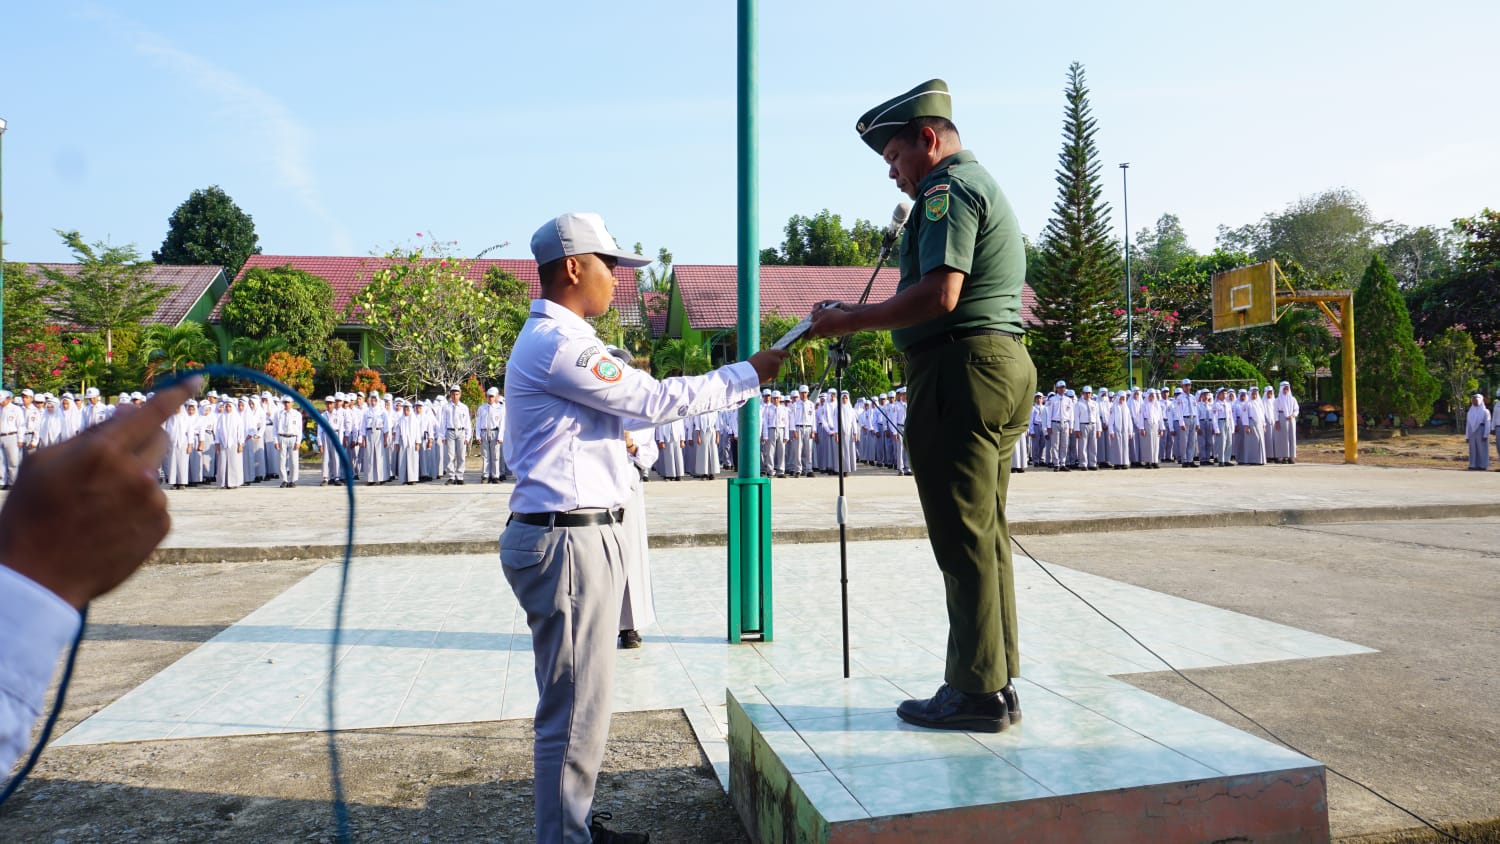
x=936, y=206
x=607, y=370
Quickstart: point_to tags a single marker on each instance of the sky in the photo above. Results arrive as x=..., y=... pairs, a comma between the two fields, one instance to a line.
x=345, y=128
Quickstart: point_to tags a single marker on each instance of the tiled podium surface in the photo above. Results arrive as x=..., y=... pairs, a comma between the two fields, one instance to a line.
x=1094, y=760
x=441, y=640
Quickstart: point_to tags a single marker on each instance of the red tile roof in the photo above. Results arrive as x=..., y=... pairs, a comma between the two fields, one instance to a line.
x=188, y=284
x=710, y=291
x=349, y=275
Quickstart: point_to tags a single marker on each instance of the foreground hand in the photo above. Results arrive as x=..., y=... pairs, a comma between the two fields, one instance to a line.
x=84, y=514
x=767, y=363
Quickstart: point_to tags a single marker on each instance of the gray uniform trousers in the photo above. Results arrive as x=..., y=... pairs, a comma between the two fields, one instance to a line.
x=291, y=466
x=10, y=457
x=491, y=452
x=570, y=582
x=1479, y=451
x=458, y=449
x=1088, y=446
x=800, y=461
x=1057, y=446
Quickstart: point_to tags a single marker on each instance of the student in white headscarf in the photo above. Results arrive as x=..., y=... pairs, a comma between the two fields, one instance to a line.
x=1151, y=426
x=181, y=441
x=1477, y=430
x=1287, y=410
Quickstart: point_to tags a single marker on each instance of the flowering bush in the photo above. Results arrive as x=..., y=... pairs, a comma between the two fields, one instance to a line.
x=40, y=360
x=292, y=370
x=366, y=380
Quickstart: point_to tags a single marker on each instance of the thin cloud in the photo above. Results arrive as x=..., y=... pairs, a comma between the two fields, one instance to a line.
x=255, y=110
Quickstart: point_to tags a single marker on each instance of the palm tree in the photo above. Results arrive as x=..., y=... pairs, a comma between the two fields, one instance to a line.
x=676, y=356
x=876, y=346
x=173, y=348
x=253, y=352
x=1300, y=343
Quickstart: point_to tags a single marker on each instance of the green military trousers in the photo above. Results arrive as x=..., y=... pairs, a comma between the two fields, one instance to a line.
x=967, y=403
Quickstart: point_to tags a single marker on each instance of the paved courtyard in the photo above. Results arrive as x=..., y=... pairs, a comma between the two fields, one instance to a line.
x=1369, y=643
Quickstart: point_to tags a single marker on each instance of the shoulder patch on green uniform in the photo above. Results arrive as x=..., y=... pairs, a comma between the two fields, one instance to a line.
x=588, y=355
x=935, y=188
x=936, y=206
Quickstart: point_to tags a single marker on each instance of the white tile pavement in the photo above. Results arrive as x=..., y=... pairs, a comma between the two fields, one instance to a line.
x=441, y=640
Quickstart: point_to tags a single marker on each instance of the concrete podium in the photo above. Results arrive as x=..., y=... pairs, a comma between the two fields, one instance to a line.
x=1094, y=760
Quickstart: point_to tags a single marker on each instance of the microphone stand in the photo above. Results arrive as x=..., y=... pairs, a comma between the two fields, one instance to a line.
x=838, y=360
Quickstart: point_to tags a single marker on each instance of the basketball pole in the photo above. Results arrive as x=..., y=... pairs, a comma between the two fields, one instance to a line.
x=1230, y=313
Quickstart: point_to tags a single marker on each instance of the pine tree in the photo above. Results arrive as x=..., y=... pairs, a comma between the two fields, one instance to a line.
x=1077, y=281
x=1393, y=376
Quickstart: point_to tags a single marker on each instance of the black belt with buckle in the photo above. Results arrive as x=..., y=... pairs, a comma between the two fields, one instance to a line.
x=576, y=518
x=946, y=338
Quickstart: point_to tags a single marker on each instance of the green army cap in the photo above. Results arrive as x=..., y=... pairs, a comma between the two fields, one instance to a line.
x=877, y=126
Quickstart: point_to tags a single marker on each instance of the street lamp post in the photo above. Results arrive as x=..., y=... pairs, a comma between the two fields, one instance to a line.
x=1129, y=297
x=2, y=267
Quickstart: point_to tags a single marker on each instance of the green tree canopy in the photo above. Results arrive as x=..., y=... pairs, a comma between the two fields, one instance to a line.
x=337, y=363
x=1451, y=359
x=26, y=313
x=208, y=228
x=1331, y=234
x=1160, y=249
x=865, y=378
x=284, y=302
x=1213, y=367
x=437, y=325
x=1418, y=255
x=111, y=291
x=1467, y=297
x=1077, y=282
x=822, y=241
x=656, y=277
x=1392, y=373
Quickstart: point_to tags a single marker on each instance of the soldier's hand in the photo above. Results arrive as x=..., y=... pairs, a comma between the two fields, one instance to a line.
x=767, y=363
x=832, y=319
x=99, y=491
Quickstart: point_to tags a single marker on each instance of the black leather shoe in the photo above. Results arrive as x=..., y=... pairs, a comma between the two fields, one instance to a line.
x=600, y=834
x=630, y=639
x=951, y=709
x=1012, y=703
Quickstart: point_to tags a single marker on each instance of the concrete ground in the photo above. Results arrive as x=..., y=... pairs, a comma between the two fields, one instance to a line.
x=265, y=522
x=1417, y=720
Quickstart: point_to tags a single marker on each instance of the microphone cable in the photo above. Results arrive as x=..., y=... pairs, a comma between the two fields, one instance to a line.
x=1279, y=740
x=335, y=770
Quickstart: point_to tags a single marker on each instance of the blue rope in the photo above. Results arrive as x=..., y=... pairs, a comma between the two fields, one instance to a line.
x=335, y=772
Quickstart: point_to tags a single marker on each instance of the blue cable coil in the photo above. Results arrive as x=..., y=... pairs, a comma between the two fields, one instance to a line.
x=335, y=773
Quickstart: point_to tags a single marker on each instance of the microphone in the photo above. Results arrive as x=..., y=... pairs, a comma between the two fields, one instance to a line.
x=898, y=219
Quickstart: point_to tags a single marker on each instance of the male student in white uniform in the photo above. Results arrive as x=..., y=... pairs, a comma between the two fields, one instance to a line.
x=570, y=403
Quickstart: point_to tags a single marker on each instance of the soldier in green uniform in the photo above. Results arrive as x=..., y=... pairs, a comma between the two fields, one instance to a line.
x=957, y=316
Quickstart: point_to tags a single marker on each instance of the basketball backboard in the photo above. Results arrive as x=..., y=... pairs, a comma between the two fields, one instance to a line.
x=1245, y=297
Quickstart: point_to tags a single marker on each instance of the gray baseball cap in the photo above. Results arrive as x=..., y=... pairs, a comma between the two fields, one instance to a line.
x=579, y=234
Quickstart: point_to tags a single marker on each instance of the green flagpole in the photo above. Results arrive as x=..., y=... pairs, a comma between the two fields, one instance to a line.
x=749, y=493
